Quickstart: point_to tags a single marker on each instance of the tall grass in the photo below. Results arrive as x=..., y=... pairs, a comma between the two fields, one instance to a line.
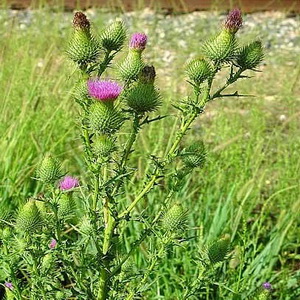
x=249, y=187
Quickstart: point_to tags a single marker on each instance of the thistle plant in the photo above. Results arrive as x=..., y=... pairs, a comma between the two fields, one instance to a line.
x=69, y=242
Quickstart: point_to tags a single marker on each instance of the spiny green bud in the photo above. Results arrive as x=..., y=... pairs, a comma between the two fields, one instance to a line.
x=173, y=218
x=194, y=155
x=48, y=170
x=221, y=48
x=218, y=251
x=83, y=47
x=113, y=37
x=198, y=70
x=131, y=66
x=143, y=97
x=47, y=262
x=104, y=118
x=103, y=145
x=250, y=56
x=66, y=206
x=29, y=219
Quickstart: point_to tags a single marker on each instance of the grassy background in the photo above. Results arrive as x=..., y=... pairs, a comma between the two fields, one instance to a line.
x=249, y=187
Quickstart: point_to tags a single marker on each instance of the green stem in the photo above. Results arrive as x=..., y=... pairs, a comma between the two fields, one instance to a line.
x=105, y=273
x=230, y=81
x=96, y=192
x=106, y=61
x=149, y=269
x=127, y=150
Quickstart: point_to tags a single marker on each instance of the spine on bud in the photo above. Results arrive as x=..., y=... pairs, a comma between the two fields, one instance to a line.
x=198, y=70
x=250, y=56
x=143, y=96
x=223, y=47
x=132, y=65
x=113, y=37
x=48, y=170
x=83, y=47
x=173, y=218
x=104, y=118
x=103, y=146
x=194, y=155
x=29, y=219
x=218, y=251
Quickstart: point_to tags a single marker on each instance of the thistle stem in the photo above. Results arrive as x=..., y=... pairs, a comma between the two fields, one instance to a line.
x=169, y=157
x=127, y=150
x=230, y=80
x=149, y=269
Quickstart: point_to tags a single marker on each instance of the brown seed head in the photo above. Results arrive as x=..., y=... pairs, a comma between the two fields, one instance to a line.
x=80, y=21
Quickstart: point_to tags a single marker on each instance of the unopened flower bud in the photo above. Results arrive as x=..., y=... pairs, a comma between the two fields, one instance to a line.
x=48, y=170
x=113, y=37
x=143, y=97
x=173, y=218
x=83, y=47
x=104, y=118
x=194, y=155
x=218, y=251
x=221, y=48
x=103, y=146
x=234, y=21
x=250, y=56
x=66, y=206
x=198, y=70
x=29, y=219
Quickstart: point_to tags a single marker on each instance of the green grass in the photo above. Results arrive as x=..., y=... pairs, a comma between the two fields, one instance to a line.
x=249, y=187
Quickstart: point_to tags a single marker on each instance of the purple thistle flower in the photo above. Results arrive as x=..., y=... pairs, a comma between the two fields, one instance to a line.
x=68, y=183
x=267, y=286
x=104, y=90
x=234, y=20
x=53, y=244
x=138, y=41
x=9, y=285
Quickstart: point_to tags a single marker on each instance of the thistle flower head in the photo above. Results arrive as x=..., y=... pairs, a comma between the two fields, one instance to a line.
x=104, y=90
x=138, y=41
x=68, y=183
x=53, y=244
x=267, y=286
x=80, y=21
x=234, y=20
x=9, y=285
